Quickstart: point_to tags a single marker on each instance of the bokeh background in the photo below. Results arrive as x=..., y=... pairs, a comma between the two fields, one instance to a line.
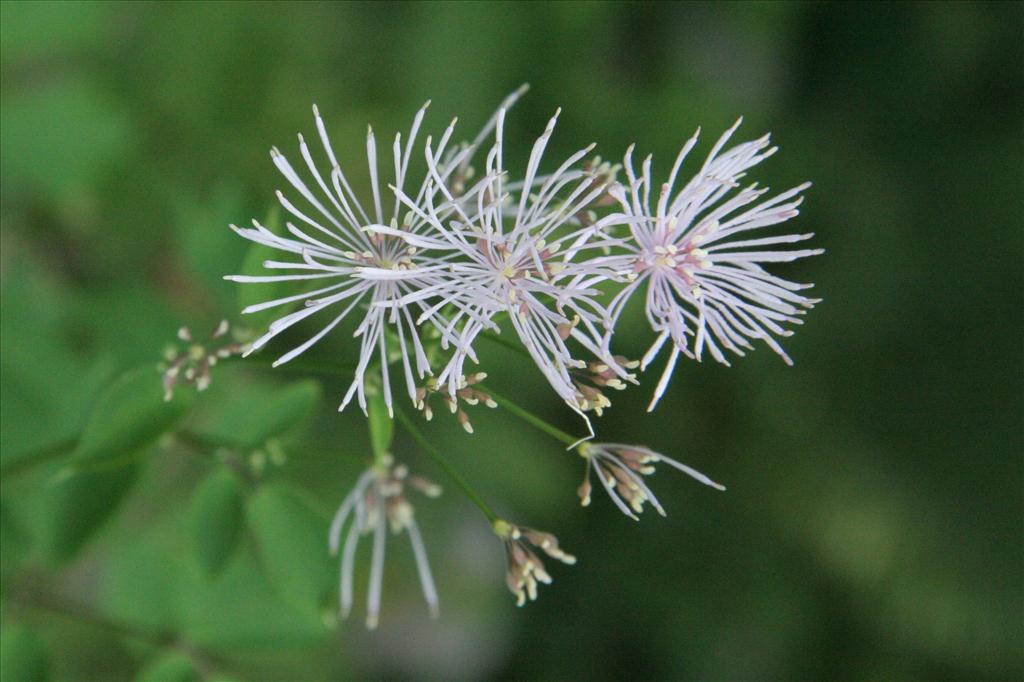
x=873, y=523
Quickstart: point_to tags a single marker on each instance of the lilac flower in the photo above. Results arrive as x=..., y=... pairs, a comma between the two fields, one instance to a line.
x=706, y=288
x=620, y=470
x=333, y=247
x=378, y=501
x=515, y=249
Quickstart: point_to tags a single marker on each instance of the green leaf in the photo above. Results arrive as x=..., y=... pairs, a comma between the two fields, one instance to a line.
x=45, y=147
x=231, y=613
x=382, y=426
x=292, y=541
x=216, y=519
x=130, y=416
x=171, y=667
x=42, y=378
x=263, y=413
x=23, y=656
x=15, y=542
x=82, y=503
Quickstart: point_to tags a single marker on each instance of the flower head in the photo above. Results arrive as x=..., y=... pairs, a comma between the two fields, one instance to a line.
x=525, y=569
x=331, y=237
x=192, y=364
x=706, y=288
x=332, y=247
x=376, y=502
x=516, y=248
x=620, y=470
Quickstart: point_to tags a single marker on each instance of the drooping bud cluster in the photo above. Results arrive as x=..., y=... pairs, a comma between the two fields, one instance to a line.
x=524, y=568
x=464, y=393
x=191, y=364
x=378, y=502
x=620, y=470
x=595, y=376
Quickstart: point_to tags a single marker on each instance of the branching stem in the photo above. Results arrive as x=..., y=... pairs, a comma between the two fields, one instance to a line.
x=530, y=418
x=434, y=454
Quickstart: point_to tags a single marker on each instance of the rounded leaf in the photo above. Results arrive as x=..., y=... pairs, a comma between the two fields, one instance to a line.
x=263, y=414
x=131, y=415
x=82, y=502
x=292, y=540
x=216, y=519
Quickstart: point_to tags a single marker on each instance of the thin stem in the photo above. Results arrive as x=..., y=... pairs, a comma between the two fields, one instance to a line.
x=530, y=418
x=413, y=431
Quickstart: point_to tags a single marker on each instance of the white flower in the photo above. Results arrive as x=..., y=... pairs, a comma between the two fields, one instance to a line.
x=376, y=502
x=706, y=288
x=516, y=248
x=620, y=470
x=333, y=247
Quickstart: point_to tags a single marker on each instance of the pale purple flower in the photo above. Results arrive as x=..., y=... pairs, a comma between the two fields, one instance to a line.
x=697, y=254
x=376, y=502
x=620, y=470
x=333, y=246
x=515, y=248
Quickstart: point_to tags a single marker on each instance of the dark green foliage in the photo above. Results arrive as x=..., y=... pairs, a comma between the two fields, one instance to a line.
x=81, y=503
x=128, y=418
x=262, y=413
x=217, y=519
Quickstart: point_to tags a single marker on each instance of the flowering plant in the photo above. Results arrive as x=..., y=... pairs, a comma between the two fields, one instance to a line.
x=429, y=265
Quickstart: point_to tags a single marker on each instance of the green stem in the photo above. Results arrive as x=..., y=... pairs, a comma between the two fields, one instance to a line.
x=504, y=343
x=421, y=440
x=530, y=418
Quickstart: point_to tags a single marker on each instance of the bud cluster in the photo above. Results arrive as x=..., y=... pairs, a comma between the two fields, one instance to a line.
x=524, y=568
x=464, y=393
x=620, y=470
x=191, y=365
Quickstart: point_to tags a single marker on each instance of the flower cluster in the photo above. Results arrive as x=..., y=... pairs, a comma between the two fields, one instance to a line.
x=459, y=253
x=439, y=253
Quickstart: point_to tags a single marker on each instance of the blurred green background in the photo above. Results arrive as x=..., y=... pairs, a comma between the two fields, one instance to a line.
x=873, y=523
